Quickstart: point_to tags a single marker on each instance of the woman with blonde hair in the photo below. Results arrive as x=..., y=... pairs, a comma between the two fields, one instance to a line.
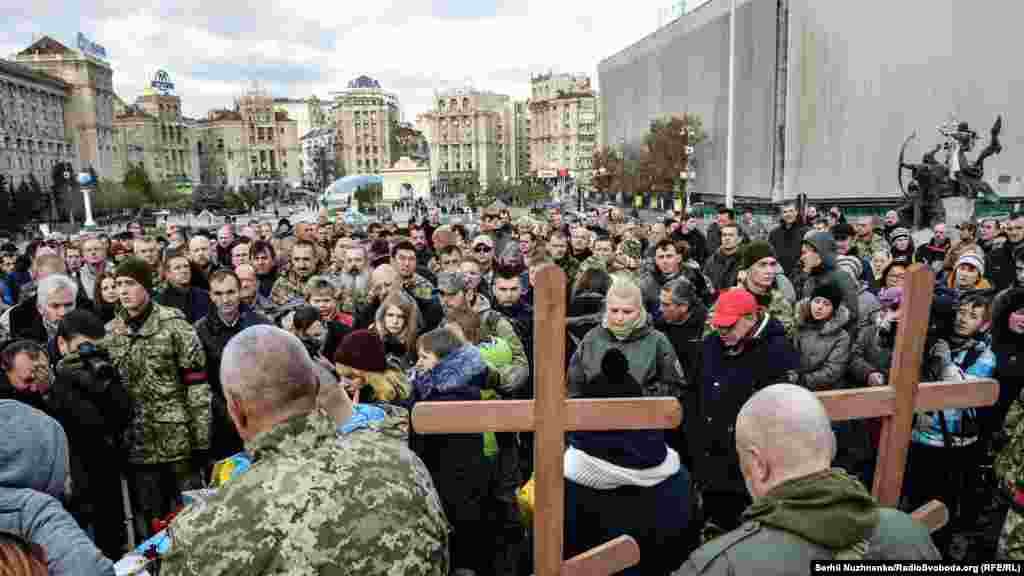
x=397, y=323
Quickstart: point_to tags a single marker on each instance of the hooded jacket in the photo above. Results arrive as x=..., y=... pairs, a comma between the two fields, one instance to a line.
x=825, y=246
x=652, y=360
x=824, y=348
x=33, y=466
x=822, y=516
x=458, y=376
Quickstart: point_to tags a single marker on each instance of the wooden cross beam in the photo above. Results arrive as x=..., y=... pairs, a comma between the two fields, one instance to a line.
x=551, y=416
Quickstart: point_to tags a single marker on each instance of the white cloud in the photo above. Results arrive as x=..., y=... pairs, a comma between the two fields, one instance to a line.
x=214, y=49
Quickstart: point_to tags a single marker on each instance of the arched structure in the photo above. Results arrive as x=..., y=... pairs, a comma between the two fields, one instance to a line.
x=406, y=180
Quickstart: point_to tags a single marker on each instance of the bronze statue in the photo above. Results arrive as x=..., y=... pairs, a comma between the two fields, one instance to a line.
x=955, y=175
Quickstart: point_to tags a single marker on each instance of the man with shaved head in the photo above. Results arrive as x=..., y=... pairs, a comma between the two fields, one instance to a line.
x=803, y=510
x=336, y=493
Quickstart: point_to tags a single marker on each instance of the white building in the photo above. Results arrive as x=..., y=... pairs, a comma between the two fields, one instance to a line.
x=318, y=147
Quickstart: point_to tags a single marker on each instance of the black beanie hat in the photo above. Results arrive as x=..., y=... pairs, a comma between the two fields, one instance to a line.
x=829, y=291
x=137, y=269
x=754, y=251
x=362, y=350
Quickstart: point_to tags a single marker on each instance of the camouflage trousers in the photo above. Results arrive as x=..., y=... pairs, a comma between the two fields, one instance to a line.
x=1011, y=538
x=155, y=491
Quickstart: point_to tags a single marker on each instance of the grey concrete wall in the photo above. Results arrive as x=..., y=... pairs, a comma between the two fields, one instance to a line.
x=683, y=68
x=864, y=75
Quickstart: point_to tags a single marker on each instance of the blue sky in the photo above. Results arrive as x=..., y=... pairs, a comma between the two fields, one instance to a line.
x=213, y=50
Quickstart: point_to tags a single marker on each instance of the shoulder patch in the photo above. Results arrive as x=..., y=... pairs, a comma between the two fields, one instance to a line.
x=707, y=553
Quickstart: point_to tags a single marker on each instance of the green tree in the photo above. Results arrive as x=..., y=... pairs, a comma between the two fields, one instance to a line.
x=241, y=199
x=137, y=179
x=664, y=157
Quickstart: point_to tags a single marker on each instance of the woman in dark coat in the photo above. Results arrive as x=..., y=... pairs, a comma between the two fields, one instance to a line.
x=626, y=483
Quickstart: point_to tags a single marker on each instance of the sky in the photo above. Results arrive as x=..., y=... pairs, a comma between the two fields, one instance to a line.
x=214, y=50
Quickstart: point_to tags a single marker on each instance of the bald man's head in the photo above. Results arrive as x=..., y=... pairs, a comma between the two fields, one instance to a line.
x=782, y=432
x=383, y=279
x=267, y=377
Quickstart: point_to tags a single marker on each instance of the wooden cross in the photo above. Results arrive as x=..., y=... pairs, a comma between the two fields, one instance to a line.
x=551, y=415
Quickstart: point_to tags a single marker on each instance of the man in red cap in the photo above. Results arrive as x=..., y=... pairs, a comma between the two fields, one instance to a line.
x=747, y=351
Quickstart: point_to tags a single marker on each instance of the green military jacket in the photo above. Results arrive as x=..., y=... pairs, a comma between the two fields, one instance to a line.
x=779, y=308
x=287, y=288
x=867, y=248
x=419, y=287
x=571, y=267
x=361, y=504
x=163, y=368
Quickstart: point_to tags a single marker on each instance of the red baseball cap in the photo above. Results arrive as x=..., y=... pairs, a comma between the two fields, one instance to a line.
x=731, y=306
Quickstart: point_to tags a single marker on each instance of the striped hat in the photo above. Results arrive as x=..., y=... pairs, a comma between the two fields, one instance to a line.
x=899, y=233
x=973, y=259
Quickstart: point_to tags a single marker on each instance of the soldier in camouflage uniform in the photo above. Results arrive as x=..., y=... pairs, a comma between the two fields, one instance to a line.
x=326, y=494
x=309, y=231
x=303, y=266
x=558, y=249
x=162, y=363
x=867, y=241
x=763, y=283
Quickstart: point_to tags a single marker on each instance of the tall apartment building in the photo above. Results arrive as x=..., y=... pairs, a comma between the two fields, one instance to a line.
x=366, y=119
x=153, y=133
x=32, y=120
x=318, y=146
x=89, y=110
x=470, y=135
x=564, y=124
x=520, y=140
x=309, y=113
x=250, y=146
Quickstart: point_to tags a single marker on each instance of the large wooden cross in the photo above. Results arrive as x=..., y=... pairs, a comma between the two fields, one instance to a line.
x=551, y=416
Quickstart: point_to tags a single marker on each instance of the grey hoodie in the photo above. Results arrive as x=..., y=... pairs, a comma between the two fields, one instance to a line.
x=33, y=468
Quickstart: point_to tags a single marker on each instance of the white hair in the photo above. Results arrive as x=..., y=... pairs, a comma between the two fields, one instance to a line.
x=52, y=283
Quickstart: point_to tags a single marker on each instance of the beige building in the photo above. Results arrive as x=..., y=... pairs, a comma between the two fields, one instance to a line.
x=470, y=135
x=520, y=139
x=252, y=146
x=32, y=116
x=153, y=133
x=89, y=112
x=309, y=113
x=563, y=126
x=366, y=119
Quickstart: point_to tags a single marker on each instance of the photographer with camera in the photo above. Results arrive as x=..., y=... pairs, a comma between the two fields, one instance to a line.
x=88, y=398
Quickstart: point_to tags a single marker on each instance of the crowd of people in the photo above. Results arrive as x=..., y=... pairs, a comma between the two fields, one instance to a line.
x=133, y=362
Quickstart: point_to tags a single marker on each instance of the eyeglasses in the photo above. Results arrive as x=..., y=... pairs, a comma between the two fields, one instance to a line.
x=482, y=249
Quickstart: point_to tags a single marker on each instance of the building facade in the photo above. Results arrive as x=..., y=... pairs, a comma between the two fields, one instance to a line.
x=319, y=159
x=154, y=134
x=520, y=140
x=89, y=110
x=471, y=136
x=32, y=125
x=309, y=113
x=563, y=126
x=826, y=92
x=366, y=119
x=251, y=146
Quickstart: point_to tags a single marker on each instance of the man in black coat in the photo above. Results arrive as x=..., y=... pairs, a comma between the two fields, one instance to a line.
x=1002, y=264
x=748, y=351
x=786, y=239
x=226, y=318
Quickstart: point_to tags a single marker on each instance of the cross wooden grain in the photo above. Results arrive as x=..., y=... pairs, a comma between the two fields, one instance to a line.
x=551, y=415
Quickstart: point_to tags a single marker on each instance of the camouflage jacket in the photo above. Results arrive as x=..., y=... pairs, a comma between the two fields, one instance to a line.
x=593, y=261
x=866, y=248
x=313, y=503
x=163, y=367
x=419, y=287
x=571, y=267
x=286, y=288
x=779, y=308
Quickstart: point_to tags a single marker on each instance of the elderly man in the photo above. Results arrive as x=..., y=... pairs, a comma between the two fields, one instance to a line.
x=25, y=374
x=311, y=502
x=248, y=292
x=803, y=510
x=933, y=254
x=37, y=319
x=94, y=253
x=353, y=281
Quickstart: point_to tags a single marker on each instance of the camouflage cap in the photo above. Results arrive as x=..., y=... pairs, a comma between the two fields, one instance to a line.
x=630, y=247
x=451, y=282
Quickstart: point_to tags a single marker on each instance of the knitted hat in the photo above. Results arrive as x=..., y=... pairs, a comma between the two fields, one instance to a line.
x=379, y=253
x=754, y=251
x=829, y=291
x=137, y=269
x=897, y=234
x=851, y=264
x=362, y=350
x=972, y=259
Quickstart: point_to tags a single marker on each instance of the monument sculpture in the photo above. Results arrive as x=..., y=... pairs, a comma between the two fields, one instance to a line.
x=953, y=182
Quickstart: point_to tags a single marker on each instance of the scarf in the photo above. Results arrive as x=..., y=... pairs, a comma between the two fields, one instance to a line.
x=828, y=508
x=627, y=330
x=586, y=470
